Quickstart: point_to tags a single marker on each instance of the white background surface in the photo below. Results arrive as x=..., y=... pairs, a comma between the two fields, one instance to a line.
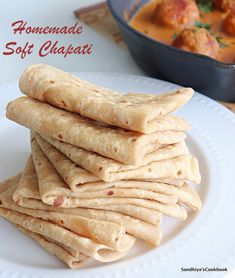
x=106, y=55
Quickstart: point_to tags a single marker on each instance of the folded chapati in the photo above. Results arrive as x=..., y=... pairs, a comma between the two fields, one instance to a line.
x=31, y=198
x=56, y=249
x=143, y=214
x=84, y=245
x=71, y=173
x=175, y=182
x=185, y=194
x=148, y=230
x=104, y=229
x=101, y=231
x=140, y=112
x=183, y=167
x=74, y=175
x=125, y=146
x=52, y=190
x=28, y=183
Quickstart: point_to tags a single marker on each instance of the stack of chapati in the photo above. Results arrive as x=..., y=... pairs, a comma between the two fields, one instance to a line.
x=103, y=170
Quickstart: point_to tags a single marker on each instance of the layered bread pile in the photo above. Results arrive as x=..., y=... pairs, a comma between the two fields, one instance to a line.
x=104, y=167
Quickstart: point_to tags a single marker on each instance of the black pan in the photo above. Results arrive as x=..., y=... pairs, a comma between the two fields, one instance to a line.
x=207, y=75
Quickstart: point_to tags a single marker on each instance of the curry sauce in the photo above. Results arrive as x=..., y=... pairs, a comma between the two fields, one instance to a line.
x=213, y=20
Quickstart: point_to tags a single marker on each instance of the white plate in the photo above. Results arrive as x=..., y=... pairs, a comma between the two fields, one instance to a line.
x=206, y=239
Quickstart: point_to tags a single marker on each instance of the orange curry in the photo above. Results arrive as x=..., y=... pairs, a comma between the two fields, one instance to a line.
x=212, y=20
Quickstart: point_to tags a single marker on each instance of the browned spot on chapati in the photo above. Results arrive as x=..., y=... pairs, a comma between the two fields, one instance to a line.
x=0, y=202
x=179, y=172
x=52, y=81
x=60, y=136
x=58, y=201
x=110, y=192
x=150, y=169
x=63, y=103
x=100, y=168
